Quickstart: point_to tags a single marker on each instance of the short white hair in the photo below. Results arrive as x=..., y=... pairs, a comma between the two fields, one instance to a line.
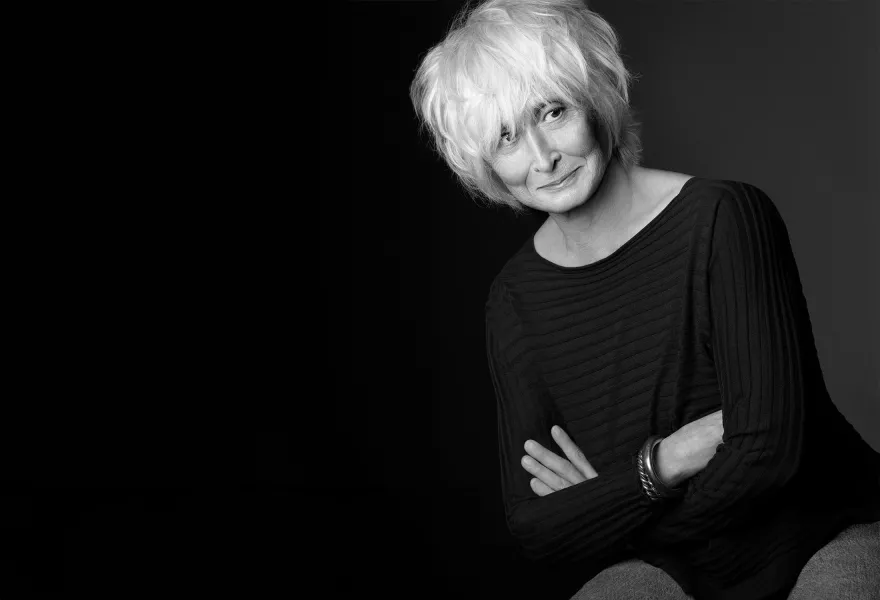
x=501, y=59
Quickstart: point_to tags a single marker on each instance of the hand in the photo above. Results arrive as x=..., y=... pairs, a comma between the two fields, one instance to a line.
x=553, y=472
x=686, y=452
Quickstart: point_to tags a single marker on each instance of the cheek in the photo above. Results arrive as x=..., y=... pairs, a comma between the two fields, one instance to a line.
x=512, y=172
x=582, y=142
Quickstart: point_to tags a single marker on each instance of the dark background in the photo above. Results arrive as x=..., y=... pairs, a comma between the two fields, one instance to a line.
x=780, y=94
x=143, y=447
x=180, y=422
x=151, y=354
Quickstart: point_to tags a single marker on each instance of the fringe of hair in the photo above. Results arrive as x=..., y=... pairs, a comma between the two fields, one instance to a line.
x=499, y=59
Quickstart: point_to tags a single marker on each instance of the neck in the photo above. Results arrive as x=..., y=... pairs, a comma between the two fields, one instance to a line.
x=604, y=214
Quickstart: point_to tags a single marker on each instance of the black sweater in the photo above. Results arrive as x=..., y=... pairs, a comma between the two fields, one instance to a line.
x=701, y=310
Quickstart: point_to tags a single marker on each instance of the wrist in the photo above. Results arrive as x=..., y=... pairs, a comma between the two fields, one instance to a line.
x=653, y=487
x=665, y=465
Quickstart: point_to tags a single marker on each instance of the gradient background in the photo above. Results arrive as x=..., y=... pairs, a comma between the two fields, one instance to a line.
x=781, y=94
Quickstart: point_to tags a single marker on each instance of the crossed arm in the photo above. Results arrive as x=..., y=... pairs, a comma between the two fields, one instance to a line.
x=680, y=456
x=762, y=348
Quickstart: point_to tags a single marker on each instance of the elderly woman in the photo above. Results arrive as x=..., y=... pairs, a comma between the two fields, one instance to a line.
x=662, y=415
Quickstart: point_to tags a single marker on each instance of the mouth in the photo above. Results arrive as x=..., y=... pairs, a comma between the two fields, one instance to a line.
x=560, y=182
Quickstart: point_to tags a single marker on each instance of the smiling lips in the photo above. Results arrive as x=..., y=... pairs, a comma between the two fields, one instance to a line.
x=559, y=181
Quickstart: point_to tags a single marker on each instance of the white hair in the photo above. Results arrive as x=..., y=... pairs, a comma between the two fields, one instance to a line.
x=502, y=58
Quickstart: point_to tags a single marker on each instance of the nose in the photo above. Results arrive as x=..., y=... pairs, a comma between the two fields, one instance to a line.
x=544, y=155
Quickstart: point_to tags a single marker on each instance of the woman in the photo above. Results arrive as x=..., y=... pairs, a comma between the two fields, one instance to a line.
x=663, y=422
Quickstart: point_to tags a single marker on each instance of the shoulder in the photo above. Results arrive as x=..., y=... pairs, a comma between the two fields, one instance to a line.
x=733, y=215
x=694, y=193
x=730, y=190
x=745, y=205
x=725, y=200
x=503, y=324
x=500, y=302
x=503, y=306
x=517, y=268
x=747, y=228
x=660, y=183
x=497, y=293
x=666, y=184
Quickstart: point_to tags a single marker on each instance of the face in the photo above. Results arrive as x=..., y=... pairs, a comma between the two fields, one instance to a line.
x=559, y=142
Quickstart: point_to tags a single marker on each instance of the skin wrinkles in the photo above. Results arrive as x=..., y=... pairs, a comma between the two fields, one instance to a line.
x=547, y=148
x=588, y=216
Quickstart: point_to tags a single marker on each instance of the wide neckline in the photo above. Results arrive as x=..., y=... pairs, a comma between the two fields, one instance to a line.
x=624, y=247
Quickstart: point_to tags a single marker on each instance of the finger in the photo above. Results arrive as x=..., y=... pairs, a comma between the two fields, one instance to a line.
x=539, y=487
x=573, y=453
x=551, y=479
x=553, y=463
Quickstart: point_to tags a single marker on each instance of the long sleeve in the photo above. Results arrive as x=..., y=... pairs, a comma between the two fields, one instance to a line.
x=701, y=309
x=762, y=346
x=589, y=521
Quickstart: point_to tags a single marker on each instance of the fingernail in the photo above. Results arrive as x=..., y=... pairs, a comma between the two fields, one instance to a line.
x=556, y=429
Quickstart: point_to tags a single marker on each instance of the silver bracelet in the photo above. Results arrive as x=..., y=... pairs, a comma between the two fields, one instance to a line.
x=653, y=487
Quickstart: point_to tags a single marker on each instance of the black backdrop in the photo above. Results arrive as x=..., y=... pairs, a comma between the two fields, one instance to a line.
x=781, y=94
x=146, y=440
x=182, y=422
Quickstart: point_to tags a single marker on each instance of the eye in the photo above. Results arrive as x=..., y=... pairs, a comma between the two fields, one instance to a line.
x=558, y=112
x=506, y=138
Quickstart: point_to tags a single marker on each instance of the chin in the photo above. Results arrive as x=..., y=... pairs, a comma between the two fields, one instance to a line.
x=568, y=200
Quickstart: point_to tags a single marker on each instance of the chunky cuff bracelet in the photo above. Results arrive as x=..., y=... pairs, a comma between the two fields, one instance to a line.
x=652, y=486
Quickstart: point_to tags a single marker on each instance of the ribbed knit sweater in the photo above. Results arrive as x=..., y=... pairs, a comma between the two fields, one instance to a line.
x=701, y=310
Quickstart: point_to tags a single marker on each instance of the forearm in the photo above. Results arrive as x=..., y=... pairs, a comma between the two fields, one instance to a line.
x=670, y=471
x=688, y=450
x=588, y=521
